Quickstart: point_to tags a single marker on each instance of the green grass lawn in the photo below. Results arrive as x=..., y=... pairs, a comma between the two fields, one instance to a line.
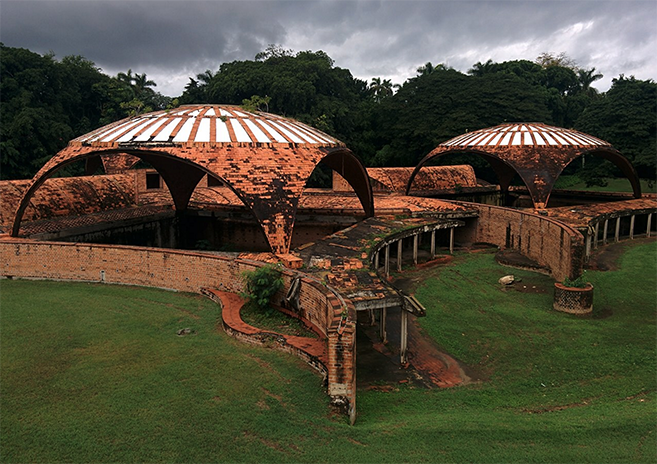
x=97, y=373
x=618, y=184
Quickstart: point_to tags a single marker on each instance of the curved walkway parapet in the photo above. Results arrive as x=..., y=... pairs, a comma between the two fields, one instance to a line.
x=551, y=243
x=611, y=221
x=313, y=350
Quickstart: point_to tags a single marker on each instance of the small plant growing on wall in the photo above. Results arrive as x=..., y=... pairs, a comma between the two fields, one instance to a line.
x=261, y=284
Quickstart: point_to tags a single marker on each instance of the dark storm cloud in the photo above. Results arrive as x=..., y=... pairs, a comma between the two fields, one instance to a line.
x=144, y=32
x=173, y=40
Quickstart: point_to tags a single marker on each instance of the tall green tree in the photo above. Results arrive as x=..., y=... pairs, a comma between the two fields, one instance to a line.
x=625, y=117
x=306, y=86
x=432, y=108
x=44, y=103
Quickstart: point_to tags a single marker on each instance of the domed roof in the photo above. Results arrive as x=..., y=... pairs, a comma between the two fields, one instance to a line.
x=528, y=134
x=206, y=124
x=264, y=158
x=538, y=153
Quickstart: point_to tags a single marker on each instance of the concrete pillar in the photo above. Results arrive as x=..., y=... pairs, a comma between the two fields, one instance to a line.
x=632, y=226
x=588, y=244
x=404, y=337
x=382, y=325
x=604, y=232
x=617, y=232
x=386, y=261
x=399, y=255
x=416, y=239
x=376, y=260
x=433, y=244
x=649, y=225
x=451, y=241
x=596, y=234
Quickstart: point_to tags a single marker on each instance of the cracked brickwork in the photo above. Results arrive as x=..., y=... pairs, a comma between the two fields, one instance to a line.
x=184, y=146
x=429, y=179
x=536, y=152
x=67, y=197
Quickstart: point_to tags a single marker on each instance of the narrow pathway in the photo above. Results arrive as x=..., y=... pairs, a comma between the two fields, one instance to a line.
x=313, y=350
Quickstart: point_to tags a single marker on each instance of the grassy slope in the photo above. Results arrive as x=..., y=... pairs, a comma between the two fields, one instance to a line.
x=97, y=373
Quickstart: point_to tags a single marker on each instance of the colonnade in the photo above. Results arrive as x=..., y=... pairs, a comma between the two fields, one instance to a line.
x=594, y=238
x=409, y=304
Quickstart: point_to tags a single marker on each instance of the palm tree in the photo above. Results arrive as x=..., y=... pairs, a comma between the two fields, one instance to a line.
x=381, y=89
x=142, y=84
x=586, y=77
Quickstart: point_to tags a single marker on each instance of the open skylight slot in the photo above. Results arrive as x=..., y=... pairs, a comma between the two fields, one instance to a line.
x=240, y=134
x=271, y=131
x=166, y=132
x=286, y=132
x=203, y=132
x=119, y=130
x=185, y=131
x=144, y=136
x=222, y=132
x=129, y=135
x=299, y=132
x=257, y=132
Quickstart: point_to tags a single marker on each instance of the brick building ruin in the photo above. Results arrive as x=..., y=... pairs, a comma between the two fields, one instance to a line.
x=192, y=197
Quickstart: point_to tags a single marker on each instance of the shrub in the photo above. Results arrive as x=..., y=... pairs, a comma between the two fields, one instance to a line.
x=579, y=282
x=261, y=284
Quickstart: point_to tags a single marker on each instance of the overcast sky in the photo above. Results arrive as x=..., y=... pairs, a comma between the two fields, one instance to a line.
x=171, y=41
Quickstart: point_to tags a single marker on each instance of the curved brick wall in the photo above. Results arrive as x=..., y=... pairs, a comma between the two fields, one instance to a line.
x=550, y=243
x=190, y=272
x=67, y=196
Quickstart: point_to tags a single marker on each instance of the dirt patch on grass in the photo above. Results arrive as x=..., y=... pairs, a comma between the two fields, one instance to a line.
x=529, y=285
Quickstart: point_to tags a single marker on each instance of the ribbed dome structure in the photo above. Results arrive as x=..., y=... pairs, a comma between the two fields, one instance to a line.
x=530, y=134
x=538, y=153
x=265, y=159
x=207, y=124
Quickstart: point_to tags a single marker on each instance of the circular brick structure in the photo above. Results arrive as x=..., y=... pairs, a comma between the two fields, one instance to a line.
x=573, y=300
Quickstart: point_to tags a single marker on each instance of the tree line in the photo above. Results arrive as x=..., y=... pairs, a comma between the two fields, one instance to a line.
x=45, y=102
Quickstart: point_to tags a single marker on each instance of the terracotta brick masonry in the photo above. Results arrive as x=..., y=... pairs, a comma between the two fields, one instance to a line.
x=313, y=350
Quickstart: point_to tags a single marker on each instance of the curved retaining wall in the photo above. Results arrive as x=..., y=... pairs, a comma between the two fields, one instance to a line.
x=550, y=243
x=190, y=271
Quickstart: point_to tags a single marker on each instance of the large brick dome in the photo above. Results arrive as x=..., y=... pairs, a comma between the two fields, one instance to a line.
x=264, y=158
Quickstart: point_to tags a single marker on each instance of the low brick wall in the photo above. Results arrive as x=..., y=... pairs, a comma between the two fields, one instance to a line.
x=550, y=243
x=189, y=271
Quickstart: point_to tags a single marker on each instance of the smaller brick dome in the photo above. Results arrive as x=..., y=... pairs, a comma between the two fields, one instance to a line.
x=538, y=153
x=529, y=134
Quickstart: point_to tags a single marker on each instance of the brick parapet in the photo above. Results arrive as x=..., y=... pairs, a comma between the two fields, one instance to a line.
x=551, y=243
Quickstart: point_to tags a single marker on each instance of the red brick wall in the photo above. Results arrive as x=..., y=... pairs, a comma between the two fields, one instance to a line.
x=550, y=243
x=190, y=272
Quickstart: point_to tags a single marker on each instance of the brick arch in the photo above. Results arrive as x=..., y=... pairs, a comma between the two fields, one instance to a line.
x=620, y=162
x=348, y=166
x=181, y=176
x=538, y=167
x=269, y=181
